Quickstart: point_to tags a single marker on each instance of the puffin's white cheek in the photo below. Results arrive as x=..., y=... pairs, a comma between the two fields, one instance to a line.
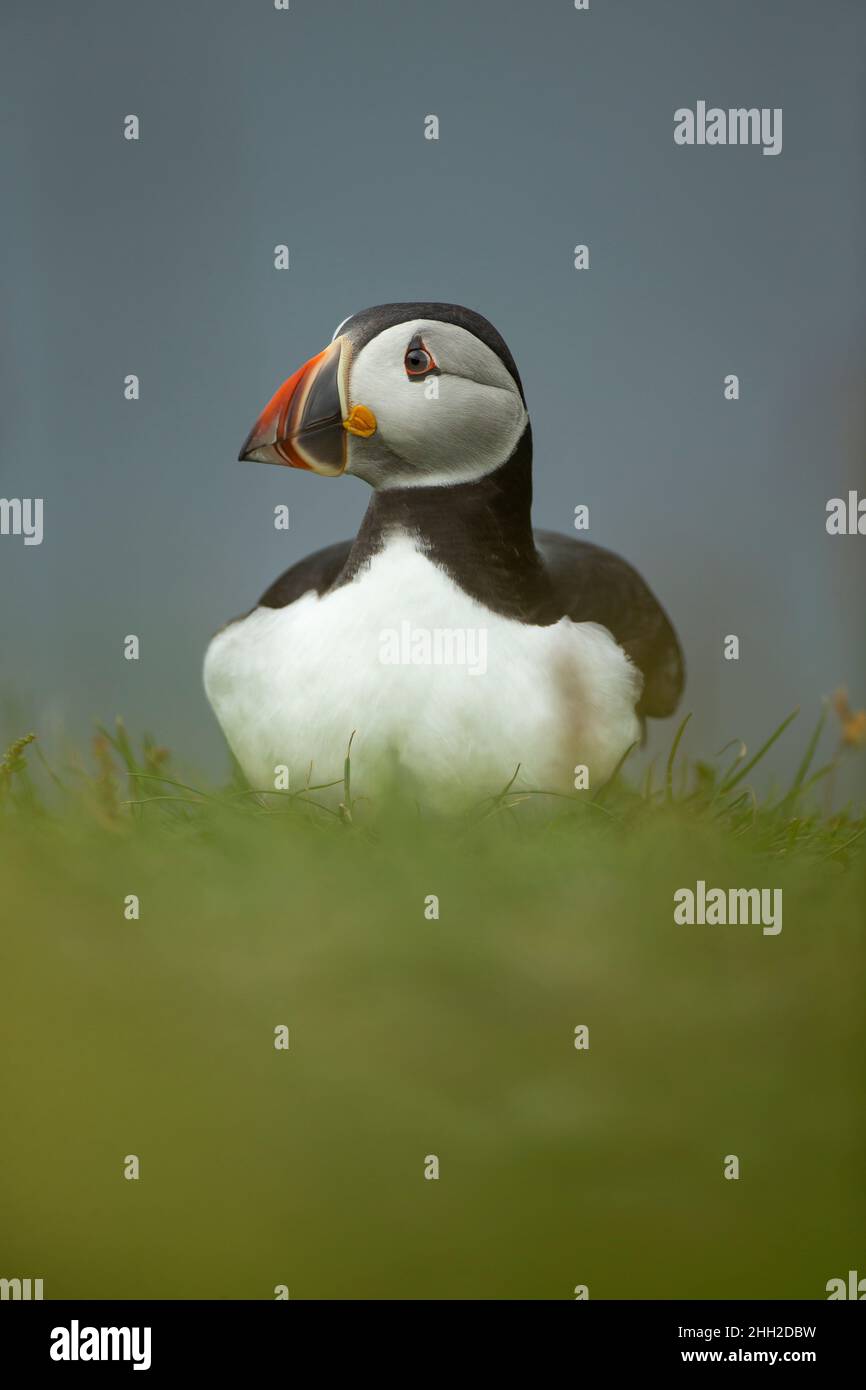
x=488, y=421
x=466, y=426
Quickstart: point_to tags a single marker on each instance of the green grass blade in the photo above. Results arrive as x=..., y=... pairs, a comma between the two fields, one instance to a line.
x=669, y=769
x=605, y=786
x=764, y=748
x=806, y=762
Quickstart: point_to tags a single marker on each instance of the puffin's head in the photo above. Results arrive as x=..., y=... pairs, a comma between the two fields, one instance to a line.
x=405, y=395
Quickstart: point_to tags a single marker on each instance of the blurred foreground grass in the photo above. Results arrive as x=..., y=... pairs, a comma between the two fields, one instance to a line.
x=412, y=1037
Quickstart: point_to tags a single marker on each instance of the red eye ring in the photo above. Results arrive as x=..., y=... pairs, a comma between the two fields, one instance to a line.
x=418, y=360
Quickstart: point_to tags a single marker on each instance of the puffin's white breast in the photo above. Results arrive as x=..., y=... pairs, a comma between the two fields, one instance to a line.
x=432, y=682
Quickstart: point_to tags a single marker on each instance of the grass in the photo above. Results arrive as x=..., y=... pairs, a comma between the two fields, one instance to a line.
x=412, y=1036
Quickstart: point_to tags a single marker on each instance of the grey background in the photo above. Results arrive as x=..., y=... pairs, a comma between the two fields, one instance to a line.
x=306, y=127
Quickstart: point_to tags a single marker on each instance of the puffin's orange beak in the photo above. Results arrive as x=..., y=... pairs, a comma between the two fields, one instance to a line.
x=306, y=423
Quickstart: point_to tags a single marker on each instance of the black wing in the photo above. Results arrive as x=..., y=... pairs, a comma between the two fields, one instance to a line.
x=592, y=585
x=317, y=571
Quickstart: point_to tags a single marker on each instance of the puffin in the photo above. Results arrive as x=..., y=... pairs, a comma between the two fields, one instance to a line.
x=449, y=642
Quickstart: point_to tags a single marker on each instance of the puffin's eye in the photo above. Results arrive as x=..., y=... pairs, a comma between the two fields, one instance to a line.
x=418, y=361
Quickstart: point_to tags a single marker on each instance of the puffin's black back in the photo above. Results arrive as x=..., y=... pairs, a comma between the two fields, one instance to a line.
x=364, y=326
